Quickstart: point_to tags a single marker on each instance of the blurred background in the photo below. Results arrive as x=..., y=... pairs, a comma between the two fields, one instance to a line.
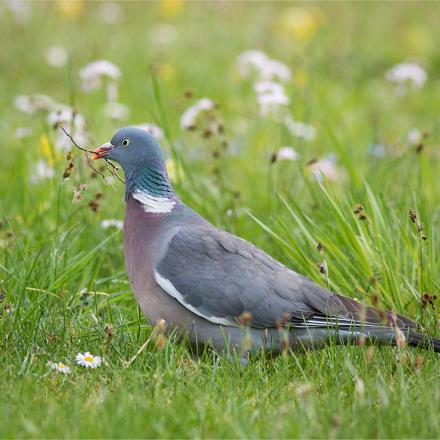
x=289, y=124
x=249, y=100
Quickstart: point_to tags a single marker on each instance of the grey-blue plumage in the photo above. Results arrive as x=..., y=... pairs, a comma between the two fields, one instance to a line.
x=205, y=282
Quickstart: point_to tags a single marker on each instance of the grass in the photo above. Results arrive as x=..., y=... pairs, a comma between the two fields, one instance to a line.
x=63, y=283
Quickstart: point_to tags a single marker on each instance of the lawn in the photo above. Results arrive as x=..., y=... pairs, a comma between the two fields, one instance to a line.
x=316, y=138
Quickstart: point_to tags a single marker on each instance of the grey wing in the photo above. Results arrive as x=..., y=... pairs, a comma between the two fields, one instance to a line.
x=220, y=276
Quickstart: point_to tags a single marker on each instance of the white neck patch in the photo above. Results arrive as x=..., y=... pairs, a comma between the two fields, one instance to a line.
x=154, y=204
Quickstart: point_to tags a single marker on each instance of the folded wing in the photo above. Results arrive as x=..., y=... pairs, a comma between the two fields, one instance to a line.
x=220, y=276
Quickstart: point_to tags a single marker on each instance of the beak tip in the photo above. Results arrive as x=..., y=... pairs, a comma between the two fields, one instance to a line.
x=101, y=151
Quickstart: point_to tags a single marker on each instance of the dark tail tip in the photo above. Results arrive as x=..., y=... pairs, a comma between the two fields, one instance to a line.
x=423, y=341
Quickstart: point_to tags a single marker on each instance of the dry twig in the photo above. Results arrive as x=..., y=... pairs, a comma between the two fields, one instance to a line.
x=111, y=167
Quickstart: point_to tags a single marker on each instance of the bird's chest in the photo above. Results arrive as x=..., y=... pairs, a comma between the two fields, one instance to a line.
x=140, y=247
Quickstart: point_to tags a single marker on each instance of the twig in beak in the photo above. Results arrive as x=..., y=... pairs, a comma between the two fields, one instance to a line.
x=113, y=169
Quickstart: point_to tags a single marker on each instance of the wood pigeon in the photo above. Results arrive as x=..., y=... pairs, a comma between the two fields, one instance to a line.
x=219, y=289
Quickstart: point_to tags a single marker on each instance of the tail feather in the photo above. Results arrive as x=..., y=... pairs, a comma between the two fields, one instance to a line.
x=319, y=337
x=423, y=341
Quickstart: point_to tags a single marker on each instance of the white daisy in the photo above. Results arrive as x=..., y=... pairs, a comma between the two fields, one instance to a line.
x=59, y=366
x=88, y=360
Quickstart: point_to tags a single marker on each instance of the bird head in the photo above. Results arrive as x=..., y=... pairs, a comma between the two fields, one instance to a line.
x=133, y=148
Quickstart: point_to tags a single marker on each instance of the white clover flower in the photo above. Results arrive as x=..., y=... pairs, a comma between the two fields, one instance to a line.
x=59, y=366
x=110, y=12
x=116, y=111
x=56, y=56
x=270, y=97
x=153, y=129
x=286, y=153
x=414, y=136
x=188, y=119
x=73, y=122
x=88, y=360
x=257, y=63
x=112, y=223
x=326, y=168
x=34, y=103
x=407, y=74
x=95, y=74
x=300, y=129
x=41, y=171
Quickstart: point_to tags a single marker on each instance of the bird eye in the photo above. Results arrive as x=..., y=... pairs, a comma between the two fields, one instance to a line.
x=125, y=142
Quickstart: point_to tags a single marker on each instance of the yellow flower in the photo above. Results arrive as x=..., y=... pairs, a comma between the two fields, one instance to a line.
x=420, y=40
x=166, y=72
x=171, y=8
x=300, y=78
x=46, y=149
x=70, y=8
x=172, y=169
x=301, y=23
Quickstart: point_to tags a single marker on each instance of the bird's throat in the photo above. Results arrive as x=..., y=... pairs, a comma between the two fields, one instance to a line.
x=151, y=187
